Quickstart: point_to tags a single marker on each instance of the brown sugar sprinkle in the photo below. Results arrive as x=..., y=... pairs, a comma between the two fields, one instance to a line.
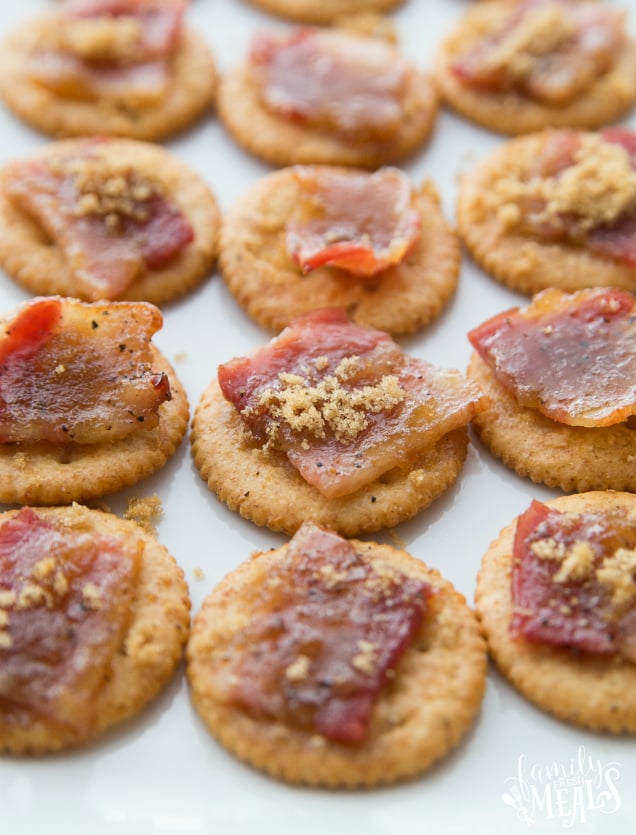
x=145, y=511
x=329, y=404
x=111, y=39
x=598, y=188
x=617, y=572
x=108, y=192
x=541, y=31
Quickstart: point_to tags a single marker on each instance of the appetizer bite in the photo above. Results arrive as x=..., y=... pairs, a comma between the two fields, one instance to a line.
x=94, y=614
x=327, y=96
x=559, y=375
x=106, y=219
x=87, y=404
x=556, y=596
x=310, y=237
x=336, y=663
x=520, y=67
x=334, y=423
x=109, y=67
x=554, y=209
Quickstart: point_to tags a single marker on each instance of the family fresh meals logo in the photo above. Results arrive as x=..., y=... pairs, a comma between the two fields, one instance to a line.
x=569, y=792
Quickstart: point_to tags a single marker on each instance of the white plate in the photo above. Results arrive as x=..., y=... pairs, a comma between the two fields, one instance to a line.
x=162, y=773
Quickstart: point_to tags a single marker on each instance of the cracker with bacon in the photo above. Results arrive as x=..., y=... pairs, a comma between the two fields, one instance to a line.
x=327, y=97
x=334, y=423
x=559, y=375
x=554, y=209
x=94, y=614
x=336, y=663
x=106, y=219
x=108, y=67
x=556, y=596
x=88, y=405
x=520, y=67
x=309, y=237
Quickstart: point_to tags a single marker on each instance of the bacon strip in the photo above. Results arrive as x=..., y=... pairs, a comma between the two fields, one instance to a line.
x=66, y=598
x=325, y=632
x=571, y=357
x=79, y=373
x=78, y=63
x=103, y=259
x=567, y=586
x=361, y=223
x=331, y=80
x=343, y=402
x=527, y=53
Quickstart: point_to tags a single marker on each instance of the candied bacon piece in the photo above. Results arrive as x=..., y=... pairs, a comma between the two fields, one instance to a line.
x=359, y=222
x=79, y=373
x=571, y=356
x=332, y=80
x=549, y=50
x=574, y=580
x=343, y=402
x=108, y=238
x=65, y=600
x=616, y=238
x=159, y=20
x=116, y=48
x=326, y=632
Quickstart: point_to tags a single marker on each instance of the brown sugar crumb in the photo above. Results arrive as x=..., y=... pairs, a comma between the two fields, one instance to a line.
x=313, y=409
x=91, y=598
x=32, y=595
x=617, y=572
x=299, y=669
x=548, y=549
x=365, y=660
x=144, y=512
x=199, y=573
x=541, y=31
x=577, y=563
x=598, y=188
x=102, y=39
x=107, y=191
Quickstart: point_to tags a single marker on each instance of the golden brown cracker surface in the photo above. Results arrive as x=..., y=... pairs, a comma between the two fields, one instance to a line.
x=272, y=289
x=573, y=458
x=151, y=647
x=266, y=489
x=422, y=713
x=590, y=691
x=32, y=259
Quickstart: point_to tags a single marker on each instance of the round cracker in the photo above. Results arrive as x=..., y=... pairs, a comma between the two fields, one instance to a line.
x=46, y=473
x=153, y=644
x=327, y=11
x=273, y=290
x=590, y=691
x=516, y=260
x=29, y=256
x=189, y=96
x=609, y=97
x=280, y=141
x=266, y=489
x=421, y=714
x=573, y=458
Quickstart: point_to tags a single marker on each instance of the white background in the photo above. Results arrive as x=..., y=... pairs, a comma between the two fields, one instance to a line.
x=162, y=773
